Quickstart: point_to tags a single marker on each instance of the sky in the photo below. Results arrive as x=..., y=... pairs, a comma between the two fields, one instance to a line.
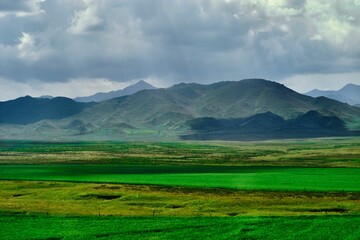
x=80, y=47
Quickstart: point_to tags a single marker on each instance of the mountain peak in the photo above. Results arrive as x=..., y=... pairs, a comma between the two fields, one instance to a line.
x=312, y=113
x=141, y=82
x=103, y=96
x=140, y=85
x=350, y=86
x=350, y=94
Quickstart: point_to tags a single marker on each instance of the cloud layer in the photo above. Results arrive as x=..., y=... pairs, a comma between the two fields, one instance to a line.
x=188, y=41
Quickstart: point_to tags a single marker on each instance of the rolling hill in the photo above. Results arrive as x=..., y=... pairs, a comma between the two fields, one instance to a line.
x=267, y=126
x=349, y=94
x=26, y=110
x=99, y=97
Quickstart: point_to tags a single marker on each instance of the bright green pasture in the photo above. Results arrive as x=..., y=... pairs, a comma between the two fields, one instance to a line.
x=247, y=178
x=42, y=227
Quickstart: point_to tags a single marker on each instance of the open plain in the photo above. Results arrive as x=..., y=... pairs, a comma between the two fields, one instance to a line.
x=300, y=189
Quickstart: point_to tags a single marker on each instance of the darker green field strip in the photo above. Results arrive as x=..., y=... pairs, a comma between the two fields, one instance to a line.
x=245, y=178
x=44, y=227
x=336, y=152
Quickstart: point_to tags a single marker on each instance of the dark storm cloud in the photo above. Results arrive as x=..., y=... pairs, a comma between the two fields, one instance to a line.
x=200, y=40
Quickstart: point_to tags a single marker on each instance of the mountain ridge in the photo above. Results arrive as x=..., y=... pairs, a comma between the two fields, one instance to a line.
x=27, y=110
x=350, y=94
x=165, y=113
x=267, y=126
x=103, y=96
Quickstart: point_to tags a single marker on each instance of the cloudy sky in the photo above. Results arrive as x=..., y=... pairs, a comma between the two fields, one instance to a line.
x=79, y=47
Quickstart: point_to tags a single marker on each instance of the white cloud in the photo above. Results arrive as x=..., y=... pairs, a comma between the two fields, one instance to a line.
x=188, y=41
x=30, y=48
x=11, y=89
x=87, y=19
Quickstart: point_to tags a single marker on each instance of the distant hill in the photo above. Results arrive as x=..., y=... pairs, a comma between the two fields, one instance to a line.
x=26, y=110
x=349, y=94
x=173, y=112
x=258, y=122
x=317, y=121
x=99, y=97
x=266, y=126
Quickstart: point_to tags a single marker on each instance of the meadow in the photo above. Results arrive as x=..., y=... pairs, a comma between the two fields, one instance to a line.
x=69, y=198
x=296, y=189
x=235, y=177
x=44, y=227
x=332, y=152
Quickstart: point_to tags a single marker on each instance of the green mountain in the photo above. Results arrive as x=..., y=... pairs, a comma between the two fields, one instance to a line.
x=267, y=126
x=167, y=113
x=258, y=122
x=238, y=99
x=26, y=110
x=314, y=120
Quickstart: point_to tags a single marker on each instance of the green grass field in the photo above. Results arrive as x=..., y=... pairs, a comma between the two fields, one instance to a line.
x=244, y=178
x=298, y=189
x=75, y=199
x=42, y=227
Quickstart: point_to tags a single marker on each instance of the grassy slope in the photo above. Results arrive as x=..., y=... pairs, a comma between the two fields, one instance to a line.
x=37, y=227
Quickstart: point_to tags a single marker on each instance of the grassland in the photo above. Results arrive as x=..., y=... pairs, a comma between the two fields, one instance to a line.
x=243, y=178
x=43, y=227
x=306, y=189
x=64, y=198
x=338, y=152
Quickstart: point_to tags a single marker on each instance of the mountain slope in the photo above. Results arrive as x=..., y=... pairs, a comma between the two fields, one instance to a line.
x=99, y=97
x=26, y=110
x=239, y=99
x=349, y=94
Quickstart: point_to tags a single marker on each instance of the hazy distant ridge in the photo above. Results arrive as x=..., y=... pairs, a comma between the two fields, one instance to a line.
x=101, y=96
x=349, y=94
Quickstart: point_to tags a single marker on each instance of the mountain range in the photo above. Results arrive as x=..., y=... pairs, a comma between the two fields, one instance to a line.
x=349, y=94
x=102, y=96
x=226, y=110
